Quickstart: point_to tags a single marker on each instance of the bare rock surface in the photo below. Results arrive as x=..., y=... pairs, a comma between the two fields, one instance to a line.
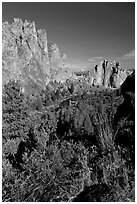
x=24, y=51
x=26, y=54
x=108, y=74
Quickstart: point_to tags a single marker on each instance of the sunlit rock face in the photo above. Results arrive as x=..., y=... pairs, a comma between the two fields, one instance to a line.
x=63, y=76
x=121, y=76
x=28, y=56
x=127, y=108
x=57, y=61
x=108, y=74
x=24, y=52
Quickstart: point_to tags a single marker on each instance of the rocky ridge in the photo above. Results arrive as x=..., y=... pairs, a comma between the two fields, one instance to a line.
x=106, y=73
x=109, y=74
x=28, y=56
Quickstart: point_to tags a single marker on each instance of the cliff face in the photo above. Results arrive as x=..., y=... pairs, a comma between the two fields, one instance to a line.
x=24, y=52
x=27, y=55
x=57, y=61
x=108, y=74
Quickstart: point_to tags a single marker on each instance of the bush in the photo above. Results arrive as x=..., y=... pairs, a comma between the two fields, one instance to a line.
x=64, y=150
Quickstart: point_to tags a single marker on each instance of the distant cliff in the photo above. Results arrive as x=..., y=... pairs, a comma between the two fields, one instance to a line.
x=106, y=73
x=28, y=56
x=109, y=74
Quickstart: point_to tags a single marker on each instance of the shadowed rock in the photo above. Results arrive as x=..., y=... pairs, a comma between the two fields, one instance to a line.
x=125, y=117
x=127, y=90
x=93, y=193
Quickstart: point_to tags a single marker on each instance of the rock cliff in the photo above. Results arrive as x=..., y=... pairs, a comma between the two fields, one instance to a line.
x=27, y=55
x=57, y=61
x=24, y=51
x=108, y=74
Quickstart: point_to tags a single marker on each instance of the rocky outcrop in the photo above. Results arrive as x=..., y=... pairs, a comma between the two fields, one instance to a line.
x=124, y=118
x=108, y=74
x=27, y=55
x=57, y=61
x=127, y=108
x=24, y=51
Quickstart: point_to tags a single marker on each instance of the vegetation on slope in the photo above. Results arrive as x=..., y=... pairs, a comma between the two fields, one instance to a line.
x=62, y=144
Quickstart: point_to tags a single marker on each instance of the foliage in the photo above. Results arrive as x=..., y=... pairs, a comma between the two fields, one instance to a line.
x=15, y=114
x=58, y=145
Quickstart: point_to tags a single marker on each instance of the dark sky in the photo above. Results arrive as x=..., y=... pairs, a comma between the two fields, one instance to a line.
x=84, y=31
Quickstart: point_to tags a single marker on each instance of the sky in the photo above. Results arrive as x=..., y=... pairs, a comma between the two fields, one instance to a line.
x=87, y=32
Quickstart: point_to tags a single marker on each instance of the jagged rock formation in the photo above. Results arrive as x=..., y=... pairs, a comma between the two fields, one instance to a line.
x=26, y=53
x=108, y=74
x=28, y=56
x=57, y=61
